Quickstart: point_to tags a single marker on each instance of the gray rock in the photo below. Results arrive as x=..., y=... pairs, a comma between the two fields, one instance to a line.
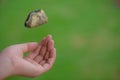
x=36, y=18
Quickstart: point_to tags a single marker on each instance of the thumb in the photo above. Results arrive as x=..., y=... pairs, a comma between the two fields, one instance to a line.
x=27, y=47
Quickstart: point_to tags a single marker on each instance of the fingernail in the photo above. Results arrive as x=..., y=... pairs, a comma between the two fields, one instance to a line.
x=55, y=49
x=50, y=35
x=53, y=41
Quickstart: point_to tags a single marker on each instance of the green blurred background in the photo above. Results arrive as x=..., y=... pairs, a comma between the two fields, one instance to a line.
x=86, y=34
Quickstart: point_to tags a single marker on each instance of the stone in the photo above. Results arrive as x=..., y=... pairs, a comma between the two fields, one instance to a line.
x=36, y=18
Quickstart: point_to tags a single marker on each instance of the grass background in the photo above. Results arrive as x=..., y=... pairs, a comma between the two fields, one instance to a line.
x=86, y=34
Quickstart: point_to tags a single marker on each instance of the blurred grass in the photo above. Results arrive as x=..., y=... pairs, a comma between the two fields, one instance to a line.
x=86, y=34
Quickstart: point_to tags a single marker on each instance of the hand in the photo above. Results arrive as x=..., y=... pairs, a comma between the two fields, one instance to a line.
x=40, y=59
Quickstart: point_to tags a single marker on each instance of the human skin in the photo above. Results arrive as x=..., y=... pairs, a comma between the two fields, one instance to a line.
x=40, y=59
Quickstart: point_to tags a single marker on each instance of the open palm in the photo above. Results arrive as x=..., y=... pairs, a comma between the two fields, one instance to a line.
x=40, y=59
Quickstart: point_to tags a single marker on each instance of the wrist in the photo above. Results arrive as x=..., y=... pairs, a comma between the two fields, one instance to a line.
x=6, y=68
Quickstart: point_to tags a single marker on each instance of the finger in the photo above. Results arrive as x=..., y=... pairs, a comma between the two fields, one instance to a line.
x=27, y=47
x=39, y=58
x=52, y=56
x=52, y=53
x=40, y=45
x=50, y=46
x=46, y=55
x=36, y=51
x=43, y=50
x=44, y=47
x=51, y=60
